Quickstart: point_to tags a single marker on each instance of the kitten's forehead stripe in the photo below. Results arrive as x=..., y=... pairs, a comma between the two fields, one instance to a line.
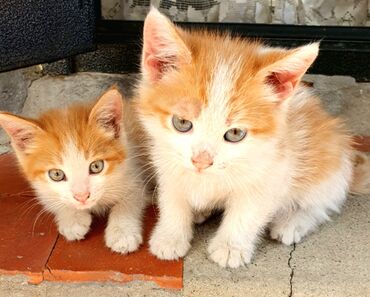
x=221, y=79
x=222, y=84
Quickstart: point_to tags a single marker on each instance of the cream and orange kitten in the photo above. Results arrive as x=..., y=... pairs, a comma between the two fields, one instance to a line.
x=232, y=128
x=80, y=162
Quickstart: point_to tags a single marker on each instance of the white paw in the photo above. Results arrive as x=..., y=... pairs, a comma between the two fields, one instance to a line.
x=201, y=216
x=227, y=255
x=287, y=234
x=76, y=228
x=121, y=240
x=168, y=247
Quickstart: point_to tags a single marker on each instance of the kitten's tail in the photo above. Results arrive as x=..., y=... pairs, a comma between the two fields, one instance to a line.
x=361, y=174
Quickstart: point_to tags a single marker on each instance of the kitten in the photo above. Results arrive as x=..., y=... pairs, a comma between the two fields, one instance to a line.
x=231, y=127
x=80, y=162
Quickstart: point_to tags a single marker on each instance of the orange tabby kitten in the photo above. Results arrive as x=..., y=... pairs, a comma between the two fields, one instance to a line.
x=79, y=161
x=231, y=127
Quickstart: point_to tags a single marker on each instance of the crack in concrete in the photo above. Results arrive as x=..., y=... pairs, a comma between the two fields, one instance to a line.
x=291, y=271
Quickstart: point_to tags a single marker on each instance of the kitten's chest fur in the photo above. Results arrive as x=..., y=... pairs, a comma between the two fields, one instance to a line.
x=203, y=192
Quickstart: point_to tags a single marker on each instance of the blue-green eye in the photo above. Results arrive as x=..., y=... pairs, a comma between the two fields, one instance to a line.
x=181, y=124
x=56, y=175
x=96, y=167
x=235, y=135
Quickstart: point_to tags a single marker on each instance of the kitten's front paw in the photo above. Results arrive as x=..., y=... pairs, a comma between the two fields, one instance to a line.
x=168, y=247
x=227, y=255
x=76, y=228
x=121, y=240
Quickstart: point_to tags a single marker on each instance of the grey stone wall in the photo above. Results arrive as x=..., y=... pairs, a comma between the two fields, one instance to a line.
x=29, y=92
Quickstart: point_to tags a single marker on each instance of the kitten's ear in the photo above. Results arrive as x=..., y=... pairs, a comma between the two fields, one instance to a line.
x=107, y=112
x=163, y=47
x=285, y=74
x=20, y=130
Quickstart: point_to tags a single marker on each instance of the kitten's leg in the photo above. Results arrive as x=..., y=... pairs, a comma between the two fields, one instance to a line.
x=124, y=230
x=173, y=232
x=315, y=205
x=291, y=227
x=233, y=244
x=73, y=224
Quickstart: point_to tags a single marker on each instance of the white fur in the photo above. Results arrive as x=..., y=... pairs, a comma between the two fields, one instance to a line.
x=251, y=180
x=118, y=191
x=314, y=207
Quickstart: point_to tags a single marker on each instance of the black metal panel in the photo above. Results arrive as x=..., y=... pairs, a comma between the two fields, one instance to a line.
x=131, y=31
x=344, y=50
x=33, y=32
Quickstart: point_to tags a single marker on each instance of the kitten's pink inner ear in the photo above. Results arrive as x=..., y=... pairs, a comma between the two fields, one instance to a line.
x=283, y=83
x=285, y=74
x=163, y=48
x=20, y=131
x=107, y=112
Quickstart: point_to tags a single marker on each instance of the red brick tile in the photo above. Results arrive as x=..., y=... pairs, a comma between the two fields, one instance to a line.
x=362, y=143
x=26, y=239
x=90, y=260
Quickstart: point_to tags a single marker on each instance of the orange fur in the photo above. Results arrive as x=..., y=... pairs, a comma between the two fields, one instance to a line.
x=326, y=138
x=188, y=85
x=79, y=161
x=321, y=152
x=57, y=128
x=288, y=164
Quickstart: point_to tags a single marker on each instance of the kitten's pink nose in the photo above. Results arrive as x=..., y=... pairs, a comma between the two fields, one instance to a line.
x=202, y=160
x=81, y=197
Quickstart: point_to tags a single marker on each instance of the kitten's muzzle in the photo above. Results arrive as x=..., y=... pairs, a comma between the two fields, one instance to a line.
x=202, y=160
x=81, y=197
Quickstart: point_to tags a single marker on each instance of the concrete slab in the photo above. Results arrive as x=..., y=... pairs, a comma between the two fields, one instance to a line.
x=267, y=275
x=335, y=260
x=18, y=287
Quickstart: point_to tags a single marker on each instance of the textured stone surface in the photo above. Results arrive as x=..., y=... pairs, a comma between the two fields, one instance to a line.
x=18, y=287
x=332, y=90
x=267, y=275
x=51, y=92
x=304, y=12
x=335, y=260
x=13, y=92
x=357, y=108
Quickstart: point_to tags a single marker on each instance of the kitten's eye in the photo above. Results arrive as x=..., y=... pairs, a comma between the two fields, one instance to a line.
x=181, y=125
x=234, y=135
x=56, y=175
x=96, y=167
